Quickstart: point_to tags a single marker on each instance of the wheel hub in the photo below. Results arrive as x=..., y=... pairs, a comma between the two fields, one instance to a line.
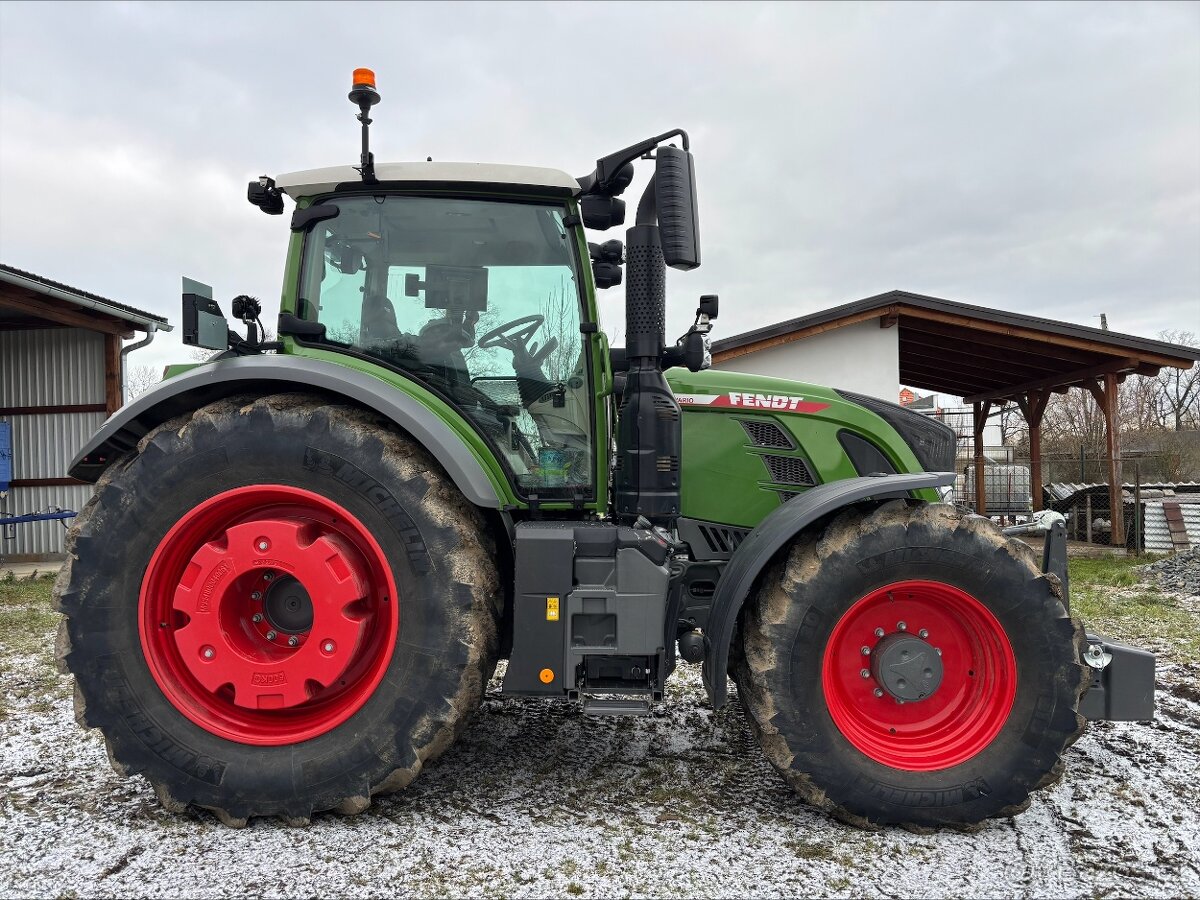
x=224, y=644
x=268, y=614
x=919, y=675
x=287, y=606
x=906, y=667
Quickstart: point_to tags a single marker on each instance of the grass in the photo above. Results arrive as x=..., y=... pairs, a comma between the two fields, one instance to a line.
x=1112, y=599
x=27, y=627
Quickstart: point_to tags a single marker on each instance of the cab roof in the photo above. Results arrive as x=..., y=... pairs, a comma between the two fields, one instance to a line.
x=532, y=179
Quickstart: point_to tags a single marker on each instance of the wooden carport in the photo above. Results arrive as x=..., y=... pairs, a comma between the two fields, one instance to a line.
x=989, y=356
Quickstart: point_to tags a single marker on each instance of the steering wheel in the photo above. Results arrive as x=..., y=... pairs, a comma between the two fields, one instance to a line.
x=522, y=330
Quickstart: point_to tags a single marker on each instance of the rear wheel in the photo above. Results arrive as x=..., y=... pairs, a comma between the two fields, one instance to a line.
x=277, y=607
x=911, y=666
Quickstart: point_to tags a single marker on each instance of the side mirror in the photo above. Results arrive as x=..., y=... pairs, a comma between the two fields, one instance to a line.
x=675, y=197
x=203, y=322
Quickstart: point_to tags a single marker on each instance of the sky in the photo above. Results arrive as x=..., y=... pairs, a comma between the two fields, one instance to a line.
x=1036, y=157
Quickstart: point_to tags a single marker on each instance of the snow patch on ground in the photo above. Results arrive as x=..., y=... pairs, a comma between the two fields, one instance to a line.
x=537, y=800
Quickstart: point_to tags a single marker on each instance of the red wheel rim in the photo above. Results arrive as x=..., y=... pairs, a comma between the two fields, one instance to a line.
x=964, y=713
x=223, y=623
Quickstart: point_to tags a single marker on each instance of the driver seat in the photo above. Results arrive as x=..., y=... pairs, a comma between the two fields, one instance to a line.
x=441, y=342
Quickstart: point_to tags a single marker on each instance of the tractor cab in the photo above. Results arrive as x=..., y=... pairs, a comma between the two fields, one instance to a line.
x=477, y=298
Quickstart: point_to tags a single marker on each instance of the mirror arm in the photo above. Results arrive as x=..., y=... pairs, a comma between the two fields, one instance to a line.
x=608, y=167
x=647, y=210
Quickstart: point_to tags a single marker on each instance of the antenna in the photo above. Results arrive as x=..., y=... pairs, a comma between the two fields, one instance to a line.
x=364, y=95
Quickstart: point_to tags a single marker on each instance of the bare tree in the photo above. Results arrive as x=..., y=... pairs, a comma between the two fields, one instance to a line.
x=1014, y=429
x=140, y=379
x=481, y=362
x=1137, y=401
x=561, y=312
x=1073, y=420
x=1178, y=394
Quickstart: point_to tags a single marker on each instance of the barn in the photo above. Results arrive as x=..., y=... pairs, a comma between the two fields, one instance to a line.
x=62, y=359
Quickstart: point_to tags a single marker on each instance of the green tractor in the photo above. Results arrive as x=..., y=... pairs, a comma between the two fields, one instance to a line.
x=305, y=558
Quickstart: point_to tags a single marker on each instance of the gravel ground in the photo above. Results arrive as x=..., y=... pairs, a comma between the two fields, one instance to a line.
x=1178, y=573
x=538, y=800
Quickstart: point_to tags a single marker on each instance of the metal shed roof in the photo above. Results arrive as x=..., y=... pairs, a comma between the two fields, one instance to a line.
x=108, y=309
x=977, y=352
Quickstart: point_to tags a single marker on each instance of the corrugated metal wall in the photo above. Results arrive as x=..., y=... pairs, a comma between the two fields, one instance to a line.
x=51, y=367
x=48, y=367
x=1158, y=536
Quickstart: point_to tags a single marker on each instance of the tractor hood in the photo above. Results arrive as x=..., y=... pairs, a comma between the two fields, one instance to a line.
x=751, y=443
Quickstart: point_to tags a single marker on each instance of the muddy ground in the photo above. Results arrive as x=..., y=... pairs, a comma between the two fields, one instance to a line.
x=538, y=800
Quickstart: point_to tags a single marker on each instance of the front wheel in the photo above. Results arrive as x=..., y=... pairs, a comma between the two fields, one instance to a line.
x=911, y=666
x=276, y=607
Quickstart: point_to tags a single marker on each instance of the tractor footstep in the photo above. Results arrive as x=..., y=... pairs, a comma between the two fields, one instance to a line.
x=611, y=707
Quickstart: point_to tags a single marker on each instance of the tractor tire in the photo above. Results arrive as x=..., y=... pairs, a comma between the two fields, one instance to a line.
x=276, y=606
x=911, y=666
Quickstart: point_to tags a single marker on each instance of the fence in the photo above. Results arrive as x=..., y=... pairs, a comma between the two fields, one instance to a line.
x=1155, y=515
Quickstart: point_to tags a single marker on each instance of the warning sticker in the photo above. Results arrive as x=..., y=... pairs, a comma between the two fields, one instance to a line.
x=551, y=609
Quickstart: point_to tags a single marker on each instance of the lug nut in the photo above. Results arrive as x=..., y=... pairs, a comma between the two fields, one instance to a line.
x=257, y=617
x=878, y=692
x=208, y=652
x=878, y=632
x=865, y=673
x=865, y=651
x=327, y=646
x=293, y=641
x=937, y=650
x=271, y=635
x=264, y=545
x=901, y=626
x=267, y=576
x=923, y=633
x=256, y=595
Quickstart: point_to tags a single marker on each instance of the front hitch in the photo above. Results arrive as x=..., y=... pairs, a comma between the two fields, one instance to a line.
x=1121, y=686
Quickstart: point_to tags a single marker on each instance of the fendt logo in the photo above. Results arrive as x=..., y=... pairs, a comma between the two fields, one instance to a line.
x=741, y=400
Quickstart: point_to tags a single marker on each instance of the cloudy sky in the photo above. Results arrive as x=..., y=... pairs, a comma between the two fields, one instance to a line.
x=1041, y=158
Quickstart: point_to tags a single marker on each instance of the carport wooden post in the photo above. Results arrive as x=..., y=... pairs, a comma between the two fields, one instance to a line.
x=1106, y=399
x=112, y=372
x=1033, y=406
x=980, y=410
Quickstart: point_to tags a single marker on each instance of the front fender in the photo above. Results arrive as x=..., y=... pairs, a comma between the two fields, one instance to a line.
x=270, y=374
x=772, y=534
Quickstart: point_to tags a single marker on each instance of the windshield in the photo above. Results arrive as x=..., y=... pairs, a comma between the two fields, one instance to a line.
x=480, y=300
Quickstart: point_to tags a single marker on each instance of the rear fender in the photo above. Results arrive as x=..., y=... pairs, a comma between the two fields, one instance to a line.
x=272, y=374
x=769, y=537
